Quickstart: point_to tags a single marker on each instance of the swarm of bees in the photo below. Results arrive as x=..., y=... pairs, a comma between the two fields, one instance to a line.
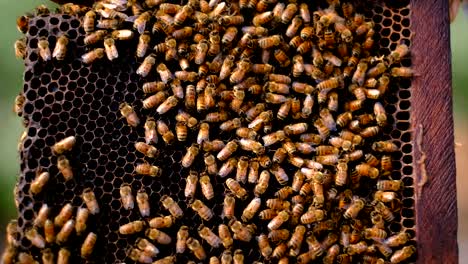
x=284, y=103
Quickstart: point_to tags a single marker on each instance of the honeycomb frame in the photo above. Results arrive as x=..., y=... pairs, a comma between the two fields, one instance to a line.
x=76, y=105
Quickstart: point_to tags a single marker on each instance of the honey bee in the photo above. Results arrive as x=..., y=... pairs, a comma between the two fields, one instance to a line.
x=63, y=164
x=229, y=206
x=282, y=58
x=126, y=196
x=142, y=200
x=225, y=236
x=230, y=124
x=384, y=146
x=402, y=254
x=147, y=247
x=47, y=256
x=353, y=210
x=279, y=251
x=88, y=245
x=36, y=239
x=229, y=36
x=279, y=174
x=138, y=255
x=128, y=112
x=190, y=155
x=206, y=187
x=145, y=67
x=278, y=220
x=41, y=216
x=251, y=209
x=227, y=151
x=182, y=236
x=172, y=206
x=278, y=235
x=147, y=169
x=166, y=260
x=44, y=50
x=65, y=232
x=93, y=55
x=191, y=184
x=22, y=24
x=238, y=257
x=82, y=215
x=252, y=146
x=140, y=22
x=60, y=50
x=403, y=72
x=39, y=182
x=64, y=145
x=262, y=18
x=196, y=248
x=95, y=37
x=88, y=21
x=264, y=245
x=211, y=238
x=110, y=49
x=20, y=48
x=398, y=239
x=396, y=55
x=241, y=232
x=90, y=200
x=158, y=236
x=389, y=185
x=146, y=149
x=203, y=211
x=236, y=188
x=63, y=256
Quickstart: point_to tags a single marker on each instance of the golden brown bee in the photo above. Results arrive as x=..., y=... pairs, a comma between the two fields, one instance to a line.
x=396, y=55
x=95, y=37
x=238, y=257
x=196, y=248
x=138, y=255
x=23, y=257
x=42, y=215
x=278, y=220
x=128, y=112
x=60, y=50
x=65, y=232
x=63, y=164
x=389, y=185
x=147, y=169
x=236, y=188
x=241, y=232
x=63, y=256
x=279, y=174
x=158, y=236
x=206, y=186
x=82, y=215
x=251, y=209
x=44, y=50
x=279, y=251
x=182, y=236
x=225, y=235
x=229, y=35
x=89, y=21
x=164, y=73
x=282, y=58
x=111, y=49
x=39, y=182
x=147, y=247
x=190, y=156
x=297, y=237
x=289, y=13
x=47, y=256
x=376, y=70
x=22, y=24
x=64, y=145
x=172, y=206
x=384, y=146
x=353, y=210
x=398, y=239
x=264, y=245
x=90, y=200
x=262, y=18
x=146, y=149
x=403, y=72
x=211, y=238
x=166, y=260
x=126, y=196
x=402, y=254
x=88, y=245
x=203, y=211
x=371, y=131
x=140, y=22
x=227, y=151
x=20, y=48
x=191, y=184
x=36, y=239
x=132, y=227
x=93, y=55
x=312, y=216
x=278, y=235
x=142, y=200
x=145, y=67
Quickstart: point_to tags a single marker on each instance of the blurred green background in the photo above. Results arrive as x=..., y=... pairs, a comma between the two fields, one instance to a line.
x=10, y=127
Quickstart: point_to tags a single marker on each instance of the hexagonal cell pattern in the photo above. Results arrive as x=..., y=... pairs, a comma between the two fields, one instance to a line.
x=70, y=98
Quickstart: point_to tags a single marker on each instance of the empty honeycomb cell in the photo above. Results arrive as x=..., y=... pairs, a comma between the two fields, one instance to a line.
x=408, y=223
x=407, y=148
x=402, y=115
x=395, y=227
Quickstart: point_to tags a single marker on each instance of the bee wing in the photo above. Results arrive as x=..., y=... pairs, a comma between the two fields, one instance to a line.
x=131, y=19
